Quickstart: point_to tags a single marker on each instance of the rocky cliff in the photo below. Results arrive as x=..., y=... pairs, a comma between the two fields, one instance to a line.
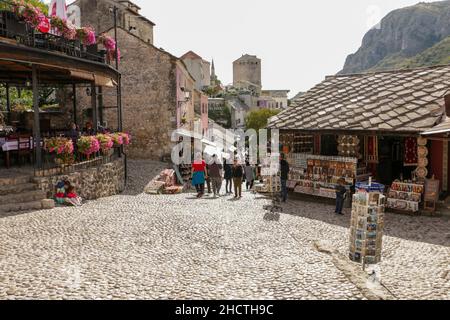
x=406, y=37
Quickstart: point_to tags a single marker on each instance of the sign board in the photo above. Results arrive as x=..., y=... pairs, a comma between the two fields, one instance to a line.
x=432, y=190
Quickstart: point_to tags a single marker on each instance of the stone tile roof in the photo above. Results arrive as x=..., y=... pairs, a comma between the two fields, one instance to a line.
x=403, y=100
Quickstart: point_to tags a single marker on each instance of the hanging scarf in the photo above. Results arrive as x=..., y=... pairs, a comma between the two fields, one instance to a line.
x=411, y=149
x=371, y=146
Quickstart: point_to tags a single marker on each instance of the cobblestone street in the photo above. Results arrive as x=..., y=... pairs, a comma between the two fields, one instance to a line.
x=136, y=246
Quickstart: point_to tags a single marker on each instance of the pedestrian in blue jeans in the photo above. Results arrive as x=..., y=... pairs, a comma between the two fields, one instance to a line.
x=284, y=166
x=340, y=196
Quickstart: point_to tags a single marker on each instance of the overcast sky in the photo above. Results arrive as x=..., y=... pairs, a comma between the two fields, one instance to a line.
x=299, y=42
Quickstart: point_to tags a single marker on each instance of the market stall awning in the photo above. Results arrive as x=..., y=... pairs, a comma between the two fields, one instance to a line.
x=443, y=127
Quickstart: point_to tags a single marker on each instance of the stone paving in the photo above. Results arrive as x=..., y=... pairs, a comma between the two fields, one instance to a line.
x=136, y=246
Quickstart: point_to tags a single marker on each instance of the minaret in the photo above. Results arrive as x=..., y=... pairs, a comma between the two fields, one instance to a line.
x=213, y=74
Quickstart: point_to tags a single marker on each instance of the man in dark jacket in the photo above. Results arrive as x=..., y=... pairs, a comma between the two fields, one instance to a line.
x=238, y=174
x=340, y=196
x=228, y=168
x=284, y=167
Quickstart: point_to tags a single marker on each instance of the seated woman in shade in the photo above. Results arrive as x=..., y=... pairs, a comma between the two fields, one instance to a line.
x=89, y=130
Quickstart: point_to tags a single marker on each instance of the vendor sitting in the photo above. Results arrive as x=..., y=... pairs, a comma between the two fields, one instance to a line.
x=72, y=198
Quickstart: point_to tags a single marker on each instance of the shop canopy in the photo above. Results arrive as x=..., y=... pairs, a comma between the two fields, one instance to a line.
x=443, y=127
x=408, y=101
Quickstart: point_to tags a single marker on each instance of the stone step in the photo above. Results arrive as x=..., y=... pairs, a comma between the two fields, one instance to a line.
x=20, y=207
x=14, y=180
x=26, y=196
x=17, y=188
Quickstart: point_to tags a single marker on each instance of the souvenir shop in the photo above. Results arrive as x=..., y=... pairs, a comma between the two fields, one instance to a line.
x=402, y=162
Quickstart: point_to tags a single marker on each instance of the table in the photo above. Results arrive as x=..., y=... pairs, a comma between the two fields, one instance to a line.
x=7, y=146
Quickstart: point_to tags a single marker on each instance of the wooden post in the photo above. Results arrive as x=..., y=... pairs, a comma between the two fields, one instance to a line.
x=100, y=105
x=8, y=104
x=36, y=127
x=75, y=117
x=94, y=107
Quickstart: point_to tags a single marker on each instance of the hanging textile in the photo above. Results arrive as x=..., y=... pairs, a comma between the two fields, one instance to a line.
x=317, y=144
x=411, y=156
x=371, y=149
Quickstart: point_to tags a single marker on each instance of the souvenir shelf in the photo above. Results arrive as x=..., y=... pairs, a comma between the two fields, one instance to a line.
x=367, y=222
x=186, y=172
x=318, y=175
x=298, y=143
x=405, y=196
x=271, y=179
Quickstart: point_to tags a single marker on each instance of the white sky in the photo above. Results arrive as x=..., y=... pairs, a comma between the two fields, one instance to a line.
x=299, y=42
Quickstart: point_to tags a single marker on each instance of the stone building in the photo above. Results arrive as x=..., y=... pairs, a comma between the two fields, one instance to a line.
x=247, y=73
x=274, y=99
x=99, y=15
x=157, y=88
x=199, y=68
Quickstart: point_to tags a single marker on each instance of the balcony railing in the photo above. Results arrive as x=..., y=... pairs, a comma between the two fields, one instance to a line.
x=12, y=28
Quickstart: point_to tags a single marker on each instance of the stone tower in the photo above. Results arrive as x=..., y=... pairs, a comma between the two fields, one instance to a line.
x=247, y=72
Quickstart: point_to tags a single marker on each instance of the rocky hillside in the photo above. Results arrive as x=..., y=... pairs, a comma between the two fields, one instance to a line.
x=410, y=37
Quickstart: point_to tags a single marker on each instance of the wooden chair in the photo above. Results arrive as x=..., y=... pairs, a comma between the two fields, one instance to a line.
x=24, y=148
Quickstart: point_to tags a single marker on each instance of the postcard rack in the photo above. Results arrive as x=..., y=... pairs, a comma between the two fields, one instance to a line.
x=367, y=222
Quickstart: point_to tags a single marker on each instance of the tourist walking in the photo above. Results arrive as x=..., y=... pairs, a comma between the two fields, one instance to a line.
x=199, y=175
x=284, y=167
x=238, y=174
x=250, y=175
x=228, y=176
x=215, y=174
x=341, y=191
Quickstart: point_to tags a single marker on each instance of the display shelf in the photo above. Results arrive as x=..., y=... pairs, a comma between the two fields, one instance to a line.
x=405, y=196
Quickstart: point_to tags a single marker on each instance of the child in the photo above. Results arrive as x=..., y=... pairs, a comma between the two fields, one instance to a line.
x=72, y=198
x=340, y=196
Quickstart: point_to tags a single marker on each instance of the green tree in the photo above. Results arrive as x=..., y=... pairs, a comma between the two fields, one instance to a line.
x=222, y=116
x=259, y=119
x=37, y=3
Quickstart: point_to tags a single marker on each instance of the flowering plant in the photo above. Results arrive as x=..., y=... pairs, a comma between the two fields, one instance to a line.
x=117, y=139
x=59, y=145
x=86, y=35
x=62, y=147
x=126, y=137
x=110, y=46
x=65, y=28
x=106, y=142
x=88, y=145
x=29, y=13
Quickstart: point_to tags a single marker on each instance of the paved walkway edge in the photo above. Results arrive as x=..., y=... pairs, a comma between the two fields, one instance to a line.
x=355, y=274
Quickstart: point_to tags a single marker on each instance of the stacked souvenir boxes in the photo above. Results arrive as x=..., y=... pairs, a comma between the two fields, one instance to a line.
x=367, y=223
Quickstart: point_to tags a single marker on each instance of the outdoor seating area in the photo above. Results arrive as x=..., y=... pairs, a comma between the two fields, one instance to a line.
x=46, y=127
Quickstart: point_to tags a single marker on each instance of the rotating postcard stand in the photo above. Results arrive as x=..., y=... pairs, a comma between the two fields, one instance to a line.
x=367, y=222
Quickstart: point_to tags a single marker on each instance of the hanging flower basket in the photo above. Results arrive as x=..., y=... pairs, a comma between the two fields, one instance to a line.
x=88, y=145
x=62, y=148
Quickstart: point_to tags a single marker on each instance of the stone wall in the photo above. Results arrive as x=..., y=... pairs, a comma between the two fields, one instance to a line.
x=149, y=98
x=93, y=183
